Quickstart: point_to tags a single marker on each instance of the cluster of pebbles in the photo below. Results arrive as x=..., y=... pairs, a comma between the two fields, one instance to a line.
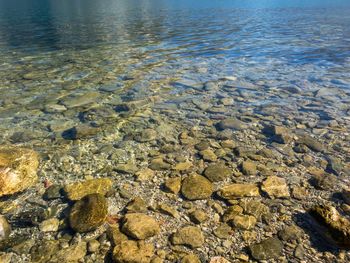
x=221, y=171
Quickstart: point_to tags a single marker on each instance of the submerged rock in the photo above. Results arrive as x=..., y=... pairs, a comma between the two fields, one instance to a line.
x=270, y=248
x=196, y=187
x=239, y=190
x=217, y=172
x=275, y=187
x=76, y=191
x=232, y=123
x=88, y=213
x=189, y=236
x=18, y=169
x=140, y=226
x=133, y=252
x=337, y=225
x=190, y=258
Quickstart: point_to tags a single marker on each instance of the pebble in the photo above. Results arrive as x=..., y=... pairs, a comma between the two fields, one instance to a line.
x=270, y=248
x=49, y=225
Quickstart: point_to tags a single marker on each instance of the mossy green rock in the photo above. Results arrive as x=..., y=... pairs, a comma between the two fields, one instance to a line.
x=196, y=187
x=88, y=213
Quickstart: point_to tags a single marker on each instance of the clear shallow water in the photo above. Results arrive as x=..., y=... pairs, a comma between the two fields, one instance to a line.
x=50, y=50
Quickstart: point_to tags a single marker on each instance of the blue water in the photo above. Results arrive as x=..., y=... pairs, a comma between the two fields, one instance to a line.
x=51, y=49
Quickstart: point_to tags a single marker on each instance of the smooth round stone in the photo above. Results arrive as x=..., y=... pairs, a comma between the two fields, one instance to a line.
x=217, y=172
x=196, y=187
x=88, y=213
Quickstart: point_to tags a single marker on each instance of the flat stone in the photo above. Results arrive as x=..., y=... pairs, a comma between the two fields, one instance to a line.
x=232, y=123
x=245, y=222
x=144, y=174
x=270, y=248
x=198, y=216
x=80, y=100
x=146, y=135
x=73, y=253
x=248, y=168
x=310, y=142
x=168, y=210
x=337, y=225
x=173, y=185
x=233, y=191
x=133, y=252
x=49, y=225
x=196, y=187
x=18, y=169
x=217, y=172
x=190, y=258
x=275, y=187
x=325, y=181
x=77, y=190
x=114, y=234
x=188, y=236
x=139, y=226
x=223, y=231
x=159, y=165
x=183, y=166
x=88, y=213
x=81, y=131
x=289, y=233
x=208, y=155
x=137, y=205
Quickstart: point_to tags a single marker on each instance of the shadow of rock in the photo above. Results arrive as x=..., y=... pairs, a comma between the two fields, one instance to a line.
x=317, y=233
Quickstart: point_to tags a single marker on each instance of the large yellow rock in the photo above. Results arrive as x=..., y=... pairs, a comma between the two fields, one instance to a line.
x=18, y=169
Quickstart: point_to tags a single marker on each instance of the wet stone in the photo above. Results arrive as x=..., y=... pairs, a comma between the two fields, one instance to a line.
x=77, y=190
x=289, y=233
x=188, y=236
x=310, y=142
x=139, y=226
x=245, y=222
x=196, y=187
x=191, y=258
x=81, y=131
x=223, y=231
x=133, y=252
x=146, y=135
x=168, y=210
x=53, y=192
x=208, y=155
x=159, y=165
x=114, y=234
x=248, y=168
x=198, y=216
x=173, y=185
x=137, y=205
x=270, y=248
x=217, y=172
x=325, y=181
x=275, y=187
x=232, y=123
x=233, y=191
x=49, y=225
x=88, y=213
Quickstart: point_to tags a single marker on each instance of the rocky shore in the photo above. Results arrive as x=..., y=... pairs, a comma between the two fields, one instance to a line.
x=206, y=174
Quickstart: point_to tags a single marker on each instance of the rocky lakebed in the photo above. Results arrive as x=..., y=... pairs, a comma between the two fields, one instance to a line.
x=226, y=170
